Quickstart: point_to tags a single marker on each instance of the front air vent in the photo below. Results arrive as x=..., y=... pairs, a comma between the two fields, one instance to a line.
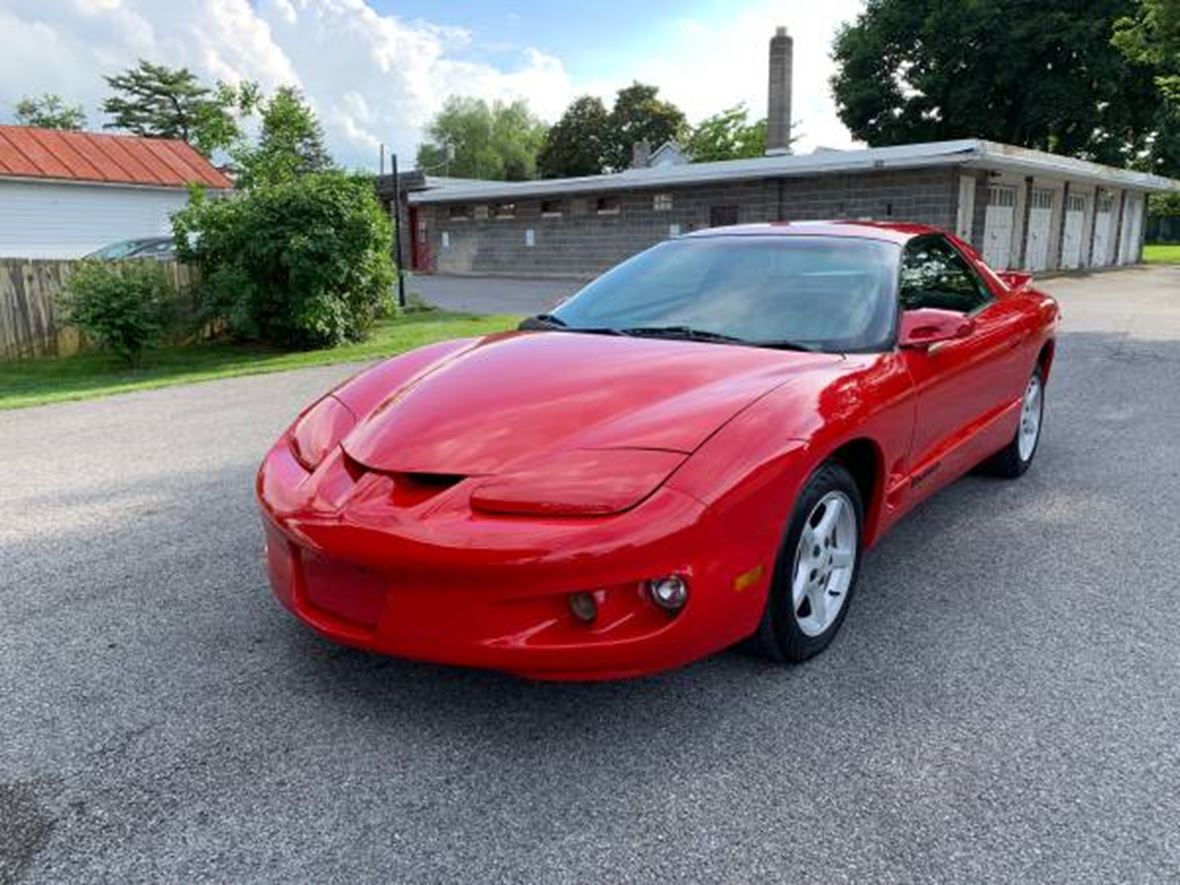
x=414, y=488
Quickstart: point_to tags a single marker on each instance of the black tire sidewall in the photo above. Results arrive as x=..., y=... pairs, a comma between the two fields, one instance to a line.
x=786, y=640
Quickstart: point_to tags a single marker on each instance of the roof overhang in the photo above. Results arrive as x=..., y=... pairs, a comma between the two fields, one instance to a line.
x=970, y=153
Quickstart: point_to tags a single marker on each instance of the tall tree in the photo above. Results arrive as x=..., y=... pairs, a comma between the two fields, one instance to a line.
x=576, y=144
x=469, y=138
x=48, y=111
x=290, y=142
x=1042, y=75
x=1152, y=37
x=728, y=135
x=162, y=102
x=639, y=114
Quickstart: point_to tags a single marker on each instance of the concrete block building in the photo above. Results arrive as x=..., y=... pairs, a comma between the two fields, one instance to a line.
x=1021, y=208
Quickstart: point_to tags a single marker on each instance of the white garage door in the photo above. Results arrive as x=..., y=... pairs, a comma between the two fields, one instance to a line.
x=1040, y=219
x=1132, y=228
x=997, y=225
x=1103, y=230
x=1071, y=242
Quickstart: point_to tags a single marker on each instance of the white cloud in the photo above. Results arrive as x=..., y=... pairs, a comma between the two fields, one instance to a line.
x=376, y=78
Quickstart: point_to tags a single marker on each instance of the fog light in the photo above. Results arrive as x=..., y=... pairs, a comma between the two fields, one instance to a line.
x=668, y=593
x=584, y=607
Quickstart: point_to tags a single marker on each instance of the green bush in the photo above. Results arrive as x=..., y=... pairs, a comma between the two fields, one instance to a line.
x=120, y=307
x=301, y=263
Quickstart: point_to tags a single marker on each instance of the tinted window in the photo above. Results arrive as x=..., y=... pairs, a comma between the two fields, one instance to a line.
x=830, y=293
x=934, y=274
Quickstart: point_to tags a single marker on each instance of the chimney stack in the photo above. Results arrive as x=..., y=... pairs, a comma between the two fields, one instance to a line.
x=778, y=116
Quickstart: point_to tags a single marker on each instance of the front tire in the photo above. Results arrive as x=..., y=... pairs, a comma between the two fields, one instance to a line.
x=816, y=569
x=1014, y=459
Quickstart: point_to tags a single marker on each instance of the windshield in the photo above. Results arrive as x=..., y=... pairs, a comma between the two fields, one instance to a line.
x=821, y=293
x=116, y=250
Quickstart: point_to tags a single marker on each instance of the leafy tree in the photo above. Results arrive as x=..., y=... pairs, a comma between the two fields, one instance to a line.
x=163, y=102
x=48, y=111
x=1152, y=37
x=576, y=144
x=121, y=307
x=290, y=143
x=1043, y=75
x=727, y=136
x=303, y=262
x=469, y=138
x=640, y=115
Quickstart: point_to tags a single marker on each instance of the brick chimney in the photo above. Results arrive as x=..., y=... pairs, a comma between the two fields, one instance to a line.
x=778, y=116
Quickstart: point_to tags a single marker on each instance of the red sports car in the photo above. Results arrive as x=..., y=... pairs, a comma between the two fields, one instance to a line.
x=695, y=449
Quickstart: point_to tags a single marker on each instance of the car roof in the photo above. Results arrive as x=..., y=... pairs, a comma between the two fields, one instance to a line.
x=890, y=231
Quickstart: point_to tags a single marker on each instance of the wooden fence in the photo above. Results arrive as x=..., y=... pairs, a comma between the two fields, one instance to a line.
x=30, y=312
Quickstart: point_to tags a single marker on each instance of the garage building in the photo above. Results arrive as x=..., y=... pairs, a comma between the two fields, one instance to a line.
x=1021, y=208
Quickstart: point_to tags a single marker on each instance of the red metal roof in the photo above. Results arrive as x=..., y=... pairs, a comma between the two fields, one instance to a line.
x=27, y=152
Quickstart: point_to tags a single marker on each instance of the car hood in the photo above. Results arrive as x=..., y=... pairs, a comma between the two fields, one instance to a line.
x=513, y=398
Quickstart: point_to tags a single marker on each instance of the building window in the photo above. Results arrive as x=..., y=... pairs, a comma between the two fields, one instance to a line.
x=481, y=213
x=551, y=208
x=505, y=210
x=607, y=205
x=662, y=202
x=460, y=213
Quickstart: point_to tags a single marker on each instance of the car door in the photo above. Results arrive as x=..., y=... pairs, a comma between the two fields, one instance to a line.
x=962, y=386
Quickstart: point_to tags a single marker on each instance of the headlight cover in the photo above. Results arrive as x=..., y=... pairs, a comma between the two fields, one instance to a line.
x=589, y=482
x=319, y=430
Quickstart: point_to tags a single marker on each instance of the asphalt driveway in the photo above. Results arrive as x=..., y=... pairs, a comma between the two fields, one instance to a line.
x=1003, y=703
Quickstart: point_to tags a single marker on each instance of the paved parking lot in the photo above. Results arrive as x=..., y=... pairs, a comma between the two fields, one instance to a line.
x=1003, y=703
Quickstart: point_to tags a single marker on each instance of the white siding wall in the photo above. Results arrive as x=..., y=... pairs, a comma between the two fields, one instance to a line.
x=55, y=220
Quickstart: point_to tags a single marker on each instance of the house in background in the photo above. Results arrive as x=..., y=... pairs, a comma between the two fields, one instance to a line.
x=65, y=194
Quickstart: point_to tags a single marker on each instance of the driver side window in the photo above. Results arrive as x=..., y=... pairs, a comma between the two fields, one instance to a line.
x=934, y=274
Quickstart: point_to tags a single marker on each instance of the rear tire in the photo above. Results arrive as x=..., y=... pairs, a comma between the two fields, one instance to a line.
x=816, y=569
x=1014, y=459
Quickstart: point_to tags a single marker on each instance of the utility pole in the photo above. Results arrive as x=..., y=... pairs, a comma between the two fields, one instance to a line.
x=397, y=232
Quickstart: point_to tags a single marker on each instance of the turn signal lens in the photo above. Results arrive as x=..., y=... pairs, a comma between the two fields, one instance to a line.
x=668, y=593
x=584, y=606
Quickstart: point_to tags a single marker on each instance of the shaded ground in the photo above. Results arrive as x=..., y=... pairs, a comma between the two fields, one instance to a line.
x=1003, y=702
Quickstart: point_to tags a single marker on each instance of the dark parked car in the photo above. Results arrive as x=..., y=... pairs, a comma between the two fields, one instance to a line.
x=159, y=248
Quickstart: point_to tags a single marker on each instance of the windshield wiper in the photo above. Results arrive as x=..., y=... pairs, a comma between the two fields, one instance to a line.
x=547, y=322
x=542, y=321
x=687, y=332
x=691, y=334
x=785, y=344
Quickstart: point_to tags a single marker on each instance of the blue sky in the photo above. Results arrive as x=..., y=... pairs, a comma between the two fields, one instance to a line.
x=376, y=70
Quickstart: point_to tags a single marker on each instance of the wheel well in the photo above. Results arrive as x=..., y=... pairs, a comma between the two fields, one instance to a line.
x=862, y=459
x=1045, y=358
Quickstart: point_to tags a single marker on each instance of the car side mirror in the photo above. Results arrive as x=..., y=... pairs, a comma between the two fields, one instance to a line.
x=1016, y=279
x=928, y=325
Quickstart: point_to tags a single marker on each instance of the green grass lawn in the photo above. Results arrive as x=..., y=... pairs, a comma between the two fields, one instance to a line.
x=49, y=380
x=1161, y=254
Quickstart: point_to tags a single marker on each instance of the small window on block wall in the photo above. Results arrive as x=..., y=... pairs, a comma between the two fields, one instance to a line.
x=460, y=213
x=662, y=202
x=551, y=208
x=607, y=205
x=481, y=213
x=505, y=210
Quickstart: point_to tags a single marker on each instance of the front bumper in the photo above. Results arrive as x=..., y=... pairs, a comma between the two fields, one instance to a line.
x=436, y=582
